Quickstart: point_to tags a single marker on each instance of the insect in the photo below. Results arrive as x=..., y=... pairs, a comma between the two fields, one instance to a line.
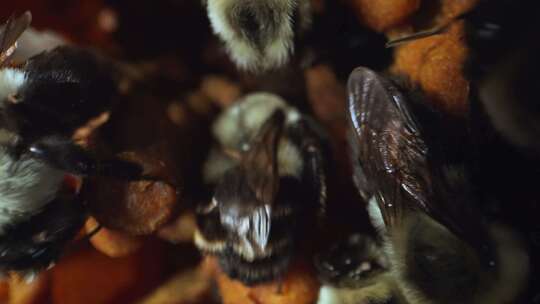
x=441, y=248
x=270, y=188
x=259, y=34
x=42, y=102
x=356, y=270
x=266, y=35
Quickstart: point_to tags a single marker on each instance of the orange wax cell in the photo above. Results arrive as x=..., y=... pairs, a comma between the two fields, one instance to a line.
x=436, y=65
x=29, y=292
x=88, y=276
x=381, y=15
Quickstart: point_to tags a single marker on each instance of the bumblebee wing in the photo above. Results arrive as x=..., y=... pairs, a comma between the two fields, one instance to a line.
x=260, y=169
x=389, y=154
x=11, y=32
x=260, y=163
x=401, y=167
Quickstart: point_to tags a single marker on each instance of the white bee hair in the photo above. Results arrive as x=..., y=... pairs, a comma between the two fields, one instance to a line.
x=26, y=186
x=10, y=82
x=240, y=121
x=276, y=52
x=382, y=290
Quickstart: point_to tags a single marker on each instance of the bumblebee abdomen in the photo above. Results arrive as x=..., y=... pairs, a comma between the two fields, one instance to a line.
x=257, y=271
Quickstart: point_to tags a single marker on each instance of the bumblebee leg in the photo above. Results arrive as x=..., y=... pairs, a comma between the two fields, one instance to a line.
x=63, y=154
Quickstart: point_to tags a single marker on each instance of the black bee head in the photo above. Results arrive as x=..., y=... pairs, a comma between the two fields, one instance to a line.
x=351, y=262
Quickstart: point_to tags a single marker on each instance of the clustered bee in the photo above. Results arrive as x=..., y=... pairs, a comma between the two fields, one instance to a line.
x=422, y=202
x=42, y=103
x=432, y=201
x=270, y=184
x=266, y=35
x=442, y=233
x=259, y=34
x=443, y=211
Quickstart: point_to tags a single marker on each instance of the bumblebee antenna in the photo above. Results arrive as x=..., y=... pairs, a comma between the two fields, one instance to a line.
x=418, y=35
x=427, y=33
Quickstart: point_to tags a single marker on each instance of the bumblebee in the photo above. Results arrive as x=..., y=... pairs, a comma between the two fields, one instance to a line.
x=270, y=187
x=42, y=103
x=441, y=246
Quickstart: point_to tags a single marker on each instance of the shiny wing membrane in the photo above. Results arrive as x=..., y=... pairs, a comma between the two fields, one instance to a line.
x=260, y=165
x=404, y=168
x=10, y=33
x=260, y=162
x=389, y=150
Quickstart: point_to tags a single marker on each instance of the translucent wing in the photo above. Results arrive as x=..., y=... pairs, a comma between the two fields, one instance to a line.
x=10, y=33
x=261, y=167
x=391, y=156
x=260, y=162
x=246, y=193
x=407, y=168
